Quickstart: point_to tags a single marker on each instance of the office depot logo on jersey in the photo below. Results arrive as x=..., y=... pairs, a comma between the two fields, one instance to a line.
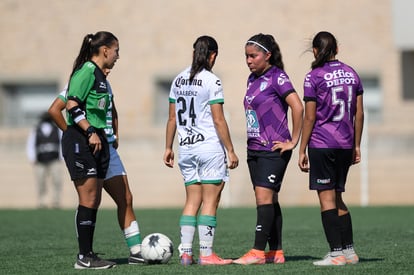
x=339, y=77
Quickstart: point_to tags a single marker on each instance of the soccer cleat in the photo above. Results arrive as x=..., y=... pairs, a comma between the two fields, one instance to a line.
x=332, y=258
x=136, y=258
x=187, y=259
x=350, y=256
x=253, y=256
x=92, y=261
x=213, y=259
x=275, y=256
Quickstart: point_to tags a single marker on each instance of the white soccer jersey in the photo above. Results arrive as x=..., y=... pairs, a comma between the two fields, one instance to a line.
x=195, y=126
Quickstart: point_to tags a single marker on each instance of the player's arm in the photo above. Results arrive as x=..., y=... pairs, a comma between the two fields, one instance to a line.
x=308, y=122
x=359, y=125
x=78, y=116
x=55, y=111
x=223, y=132
x=115, y=123
x=169, y=136
x=297, y=118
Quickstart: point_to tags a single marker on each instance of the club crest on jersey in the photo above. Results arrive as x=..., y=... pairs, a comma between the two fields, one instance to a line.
x=263, y=86
x=102, y=103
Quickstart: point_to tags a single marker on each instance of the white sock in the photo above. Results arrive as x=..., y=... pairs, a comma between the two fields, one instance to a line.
x=133, y=237
x=187, y=237
x=206, y=235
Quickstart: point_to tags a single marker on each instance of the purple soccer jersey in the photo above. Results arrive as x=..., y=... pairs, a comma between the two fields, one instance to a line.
x=334, y=87
x=266, y=109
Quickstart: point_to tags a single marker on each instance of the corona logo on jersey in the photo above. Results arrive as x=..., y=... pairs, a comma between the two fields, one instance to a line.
x=186, y=81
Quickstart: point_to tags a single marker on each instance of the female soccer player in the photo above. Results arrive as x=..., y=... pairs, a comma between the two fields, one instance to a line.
x=196, y=112
x=84, y=144
x=269, y=95
x=332, y=130
x=116, y=180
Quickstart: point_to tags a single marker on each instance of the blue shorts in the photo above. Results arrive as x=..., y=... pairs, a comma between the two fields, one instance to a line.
x=116, y=168
x=267, y=169
x=329, y=168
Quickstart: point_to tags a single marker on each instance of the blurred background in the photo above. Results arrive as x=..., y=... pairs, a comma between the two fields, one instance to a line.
x=41, y=39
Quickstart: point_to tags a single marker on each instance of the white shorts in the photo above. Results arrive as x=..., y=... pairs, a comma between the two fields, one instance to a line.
x=116, y=168
x=206, y=168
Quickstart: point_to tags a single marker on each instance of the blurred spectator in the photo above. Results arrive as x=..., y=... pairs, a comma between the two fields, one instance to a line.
x=44, y=152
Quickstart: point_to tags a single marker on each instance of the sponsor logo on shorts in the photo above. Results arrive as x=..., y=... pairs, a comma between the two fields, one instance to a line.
x=323, y=181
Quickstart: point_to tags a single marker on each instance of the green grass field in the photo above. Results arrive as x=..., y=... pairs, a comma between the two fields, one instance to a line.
x=43, y=241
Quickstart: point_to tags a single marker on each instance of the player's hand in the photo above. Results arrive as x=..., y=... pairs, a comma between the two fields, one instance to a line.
x=95, y=143
x=303, y=162
x=233, y=160
x=169, y=158
x=283, y=146
x=356, y=158
x=115, y=144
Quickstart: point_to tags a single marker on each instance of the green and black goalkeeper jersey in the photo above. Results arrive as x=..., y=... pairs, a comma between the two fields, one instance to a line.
x=88, y=87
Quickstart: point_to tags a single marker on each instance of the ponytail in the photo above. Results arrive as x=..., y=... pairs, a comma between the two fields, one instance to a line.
x=203, y=47
x=90, y=47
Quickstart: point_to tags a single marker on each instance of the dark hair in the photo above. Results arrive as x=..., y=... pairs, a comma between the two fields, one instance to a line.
x=90, y=47
x=326, y=48
x=203, y=47
x=268, y=43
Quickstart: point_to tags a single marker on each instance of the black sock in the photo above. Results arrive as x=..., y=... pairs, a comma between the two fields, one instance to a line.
x=275, y=237
x=346, y=231
x=332, y=228
x=85, y=227
x=265, y=216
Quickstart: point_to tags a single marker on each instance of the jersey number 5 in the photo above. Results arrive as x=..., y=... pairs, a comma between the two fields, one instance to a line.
x=339, y=101
x=182, y=111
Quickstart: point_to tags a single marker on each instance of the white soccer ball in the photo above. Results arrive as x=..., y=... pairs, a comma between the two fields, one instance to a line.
x=156, y=248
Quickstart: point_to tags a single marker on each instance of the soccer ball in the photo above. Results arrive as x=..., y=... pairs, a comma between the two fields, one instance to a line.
x=156, y=248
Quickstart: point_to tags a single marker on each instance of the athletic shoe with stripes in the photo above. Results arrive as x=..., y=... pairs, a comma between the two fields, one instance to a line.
x=275, y=256
x=136, y=258
x=332, y=258
x=92, y=261
x=253, y=256
x=350, y=256
x=213, y=259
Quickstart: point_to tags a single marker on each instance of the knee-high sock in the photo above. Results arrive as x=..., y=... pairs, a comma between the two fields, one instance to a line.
x=85, y=228
x=265, y=217
x=332, y=228
x=275, y=238
x=187, y=231
x=346, y=231
x=206, y=230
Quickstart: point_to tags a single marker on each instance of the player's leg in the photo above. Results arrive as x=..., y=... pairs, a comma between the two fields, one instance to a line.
x=344, y=161
x=323, y=180
x=89, y=193
x=207, y=223
x=89, y=188
x=188, y=222
x=276, y=254
x=117, y=186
